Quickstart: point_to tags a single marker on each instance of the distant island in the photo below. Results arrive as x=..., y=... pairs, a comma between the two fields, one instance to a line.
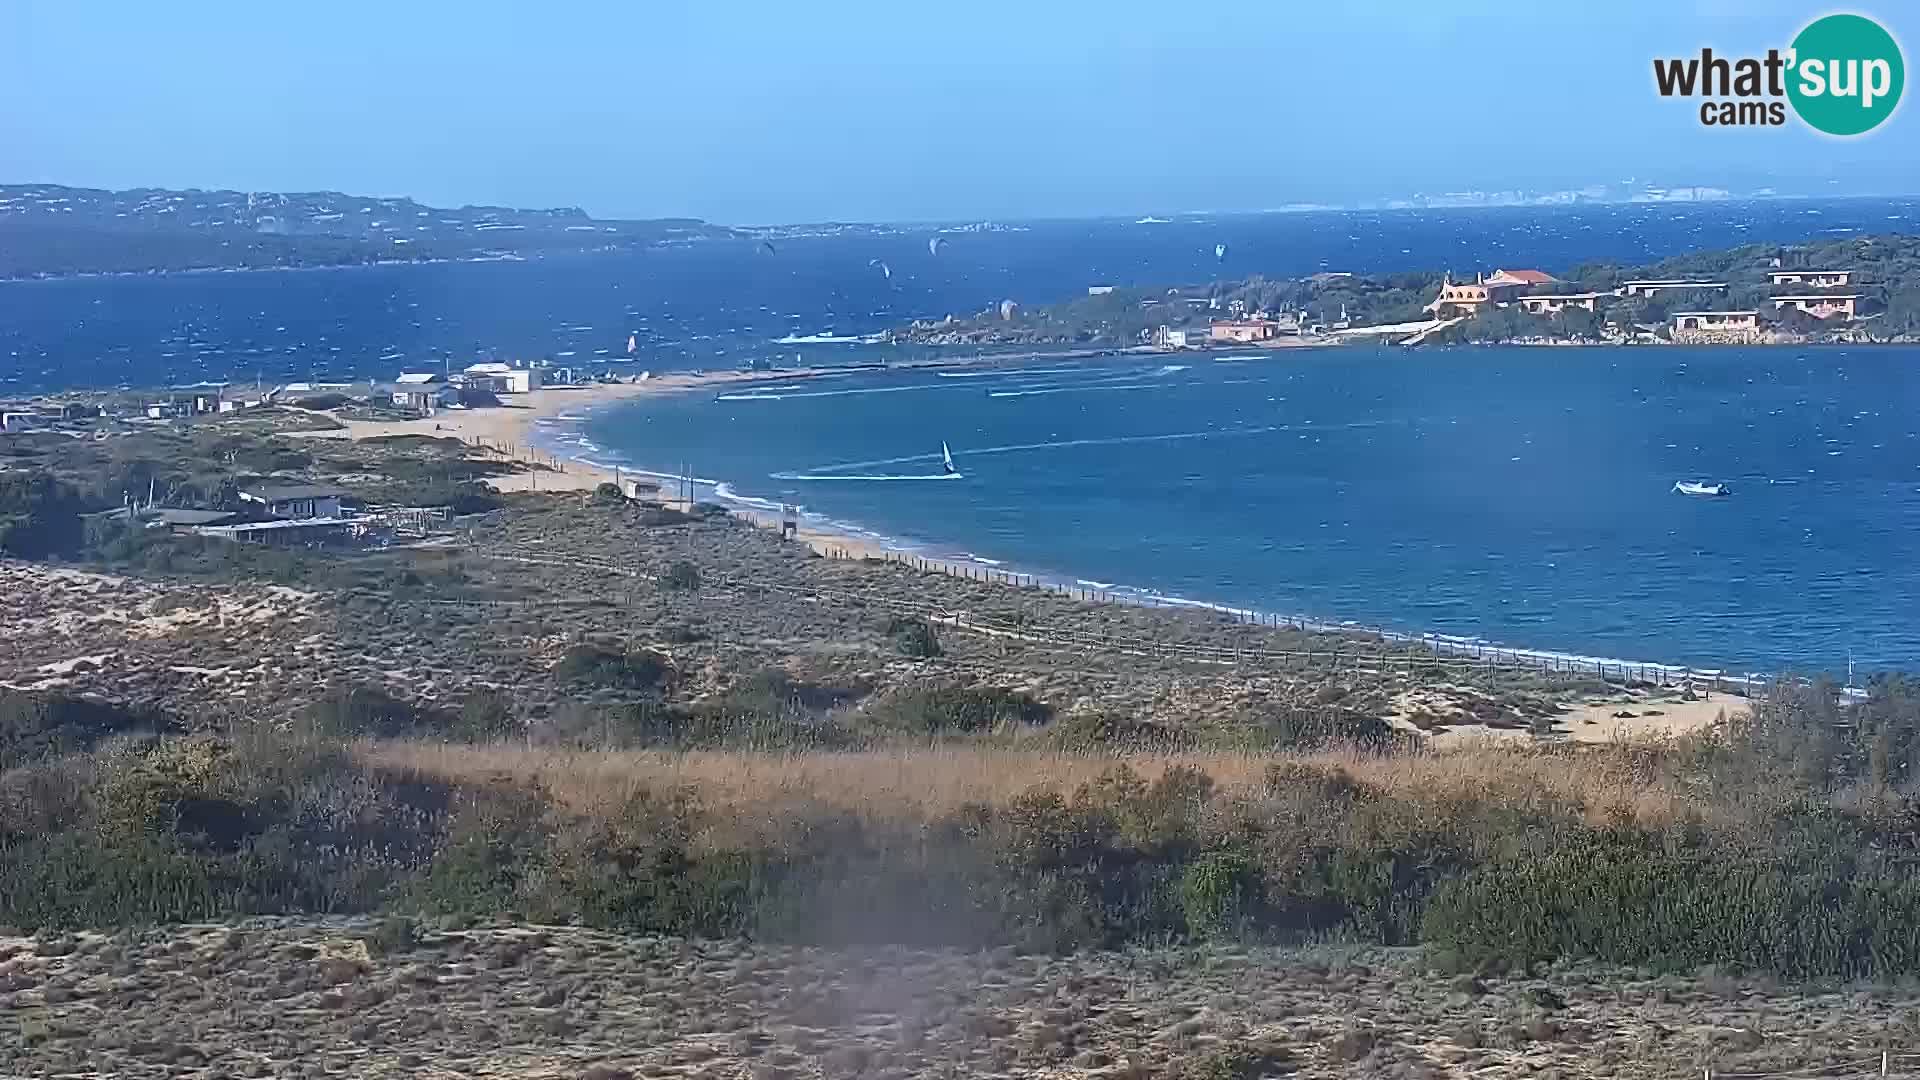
x=1852, y=289
x=48, y=230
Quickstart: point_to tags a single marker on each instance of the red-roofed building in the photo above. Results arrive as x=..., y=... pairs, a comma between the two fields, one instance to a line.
x=1522, y=277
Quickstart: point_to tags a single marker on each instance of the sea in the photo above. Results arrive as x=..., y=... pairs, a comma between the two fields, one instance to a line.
x=1513, y=495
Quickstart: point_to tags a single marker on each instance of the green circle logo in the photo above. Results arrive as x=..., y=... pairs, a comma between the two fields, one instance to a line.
x=1847, y=74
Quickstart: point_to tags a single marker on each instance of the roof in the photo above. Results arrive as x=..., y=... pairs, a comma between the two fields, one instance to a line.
x=275, y=526
x=1806, y=273
x=1817, y=296
x=490, y=369
x=420, y=378
x=1566, y=296
x=1677, y=281
x=1677, y=314
x=163, y=515
x=290, y=492
x=1527, y=277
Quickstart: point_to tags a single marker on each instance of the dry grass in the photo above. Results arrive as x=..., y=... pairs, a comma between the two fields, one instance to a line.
x=317, y=997
x=1616, y=782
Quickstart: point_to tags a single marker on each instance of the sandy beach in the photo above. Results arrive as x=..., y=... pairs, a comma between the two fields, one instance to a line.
x=510, y=430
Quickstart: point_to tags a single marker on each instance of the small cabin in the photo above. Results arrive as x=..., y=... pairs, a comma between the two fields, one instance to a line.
x=296, y=501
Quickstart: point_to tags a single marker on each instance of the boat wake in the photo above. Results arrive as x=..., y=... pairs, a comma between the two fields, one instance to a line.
x=763, y=396
x=1073, y=389
x=819, y=339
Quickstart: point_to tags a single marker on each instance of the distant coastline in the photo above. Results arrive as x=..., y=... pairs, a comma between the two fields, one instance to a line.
x=1859, y=289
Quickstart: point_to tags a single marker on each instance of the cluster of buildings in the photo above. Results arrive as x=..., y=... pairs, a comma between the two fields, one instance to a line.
x=1506, y=287
x=1240, y=327
x=284, y=515
x=424, y=393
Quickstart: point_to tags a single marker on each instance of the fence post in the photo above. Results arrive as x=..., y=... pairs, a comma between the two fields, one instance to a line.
x=1883, y=1063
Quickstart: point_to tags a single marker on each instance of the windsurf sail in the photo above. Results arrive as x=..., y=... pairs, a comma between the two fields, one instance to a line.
x=946, y=459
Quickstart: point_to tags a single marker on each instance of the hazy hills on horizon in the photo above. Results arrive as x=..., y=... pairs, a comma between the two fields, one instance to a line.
x=53, y=230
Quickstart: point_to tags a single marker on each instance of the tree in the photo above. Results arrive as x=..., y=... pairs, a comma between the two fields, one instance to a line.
x=39, y=516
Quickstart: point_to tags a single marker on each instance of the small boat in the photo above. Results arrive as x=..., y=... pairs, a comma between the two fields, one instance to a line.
x=946, y=461
x=1701, y=488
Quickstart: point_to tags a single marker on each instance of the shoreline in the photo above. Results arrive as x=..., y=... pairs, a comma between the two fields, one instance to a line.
x=518, y=432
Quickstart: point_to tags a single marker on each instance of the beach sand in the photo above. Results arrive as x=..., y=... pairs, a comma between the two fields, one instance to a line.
x=510, y=431
x=1655, y=716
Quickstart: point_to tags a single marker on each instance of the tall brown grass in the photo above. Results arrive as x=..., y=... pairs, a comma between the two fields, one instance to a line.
x=1619, y=783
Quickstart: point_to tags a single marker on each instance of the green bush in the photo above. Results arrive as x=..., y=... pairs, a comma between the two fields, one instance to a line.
x=1117, y=733
x=36, y=726
x=681, y=576
x=39, y=516
x=485, y=715
x=613, y=667
x=370, y=711
x=955, y=710
x=914, y=637
x=1623, y=898
x=1220, y=894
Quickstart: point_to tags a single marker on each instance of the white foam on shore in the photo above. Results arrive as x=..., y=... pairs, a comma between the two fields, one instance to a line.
x=1007, y=372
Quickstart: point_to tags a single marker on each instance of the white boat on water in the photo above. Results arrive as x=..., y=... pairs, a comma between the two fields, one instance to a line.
x=1700, y=488
x=946, y=461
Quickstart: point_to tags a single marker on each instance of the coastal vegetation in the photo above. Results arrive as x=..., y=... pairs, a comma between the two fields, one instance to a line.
x=1780, y=842
x=1886, y=275
x=584, y=759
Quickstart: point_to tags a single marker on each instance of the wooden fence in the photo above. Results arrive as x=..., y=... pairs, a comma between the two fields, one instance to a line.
x=1456, y=650
x=1346, y=648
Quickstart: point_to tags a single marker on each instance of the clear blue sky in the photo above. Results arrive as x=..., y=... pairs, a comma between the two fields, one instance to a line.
x=788, y=110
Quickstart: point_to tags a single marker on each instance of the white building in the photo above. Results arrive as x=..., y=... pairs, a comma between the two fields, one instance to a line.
x=501, y=378
x=297, y=501
x=424, y=393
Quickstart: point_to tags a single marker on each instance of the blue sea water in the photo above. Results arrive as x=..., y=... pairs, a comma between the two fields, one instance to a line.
x=1517, y=494
x=725, y=303
x=1520, y=495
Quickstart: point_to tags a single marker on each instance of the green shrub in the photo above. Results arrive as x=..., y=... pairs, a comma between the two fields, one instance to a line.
x=1810, y=909
x=1220, y=894
x=613, y=667
x=35, y=726
x=681, y=634
x=681, y=576
x=1238, y=1062
x=370, y=711
x=485, y=715
x=955, y=710
x=39, y=516
x=1116, y=732
x=914, y=637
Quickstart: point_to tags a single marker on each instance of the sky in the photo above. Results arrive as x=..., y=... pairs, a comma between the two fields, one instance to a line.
x=773, y=111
